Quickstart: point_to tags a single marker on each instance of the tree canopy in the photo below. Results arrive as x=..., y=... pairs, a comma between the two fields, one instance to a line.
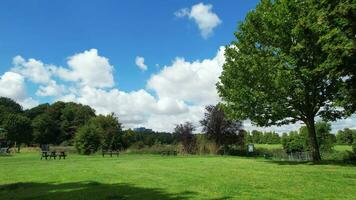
x=280, y=68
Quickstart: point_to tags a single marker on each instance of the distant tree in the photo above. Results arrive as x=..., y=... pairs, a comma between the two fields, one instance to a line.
x=185, y=134
x=18, y=129
x=99, y=132
x=89, y=138
x=324, y=136
x=8, y=106
x=46, y=130
x=38, y=110
x=294, y=142
x=292, y=61
x=221, y=129
x=257, y=137
x=345, y=136
x=72, y=117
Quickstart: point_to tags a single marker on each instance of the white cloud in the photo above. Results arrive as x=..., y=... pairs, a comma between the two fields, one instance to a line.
x=193, y=82
x=140, y=62
x=203, y=16
x=52, y=89
x=32, y=69
x=89, y=69
x=180, y=91
x=12, y=85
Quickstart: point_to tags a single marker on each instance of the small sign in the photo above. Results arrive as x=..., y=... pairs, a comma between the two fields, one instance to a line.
x=250, y=148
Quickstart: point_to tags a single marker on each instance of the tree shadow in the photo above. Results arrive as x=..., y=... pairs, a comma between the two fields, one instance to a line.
x=86, y=190
x=323, y=162
x=89, y=190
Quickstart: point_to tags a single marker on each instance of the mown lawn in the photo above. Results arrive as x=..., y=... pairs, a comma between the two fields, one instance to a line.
x=279, y=146
x=24, y=176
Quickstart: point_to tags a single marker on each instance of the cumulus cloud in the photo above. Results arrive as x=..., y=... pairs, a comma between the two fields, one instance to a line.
x=12, y=85
x=89, y=69
x=32, y=69
x=178, y=93
x=193, y=82
x=203, y=16
x=52, y=89
x=140, y=62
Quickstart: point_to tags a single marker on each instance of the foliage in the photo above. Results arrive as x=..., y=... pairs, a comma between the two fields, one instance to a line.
x=184, y=133
x=220, y=129
x=46, y=130
x=99, y=132
x=89, y=138
x=280, y=70
x=258, y=137
x=298, y=141
x=345, y=136
x=18, y=128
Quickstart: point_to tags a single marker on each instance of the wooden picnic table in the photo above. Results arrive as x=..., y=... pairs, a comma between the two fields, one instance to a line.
x=110, y=152
x=53, y=154
x=169, y=152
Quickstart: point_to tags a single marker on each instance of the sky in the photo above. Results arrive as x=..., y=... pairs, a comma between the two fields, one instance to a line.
x=153, y=63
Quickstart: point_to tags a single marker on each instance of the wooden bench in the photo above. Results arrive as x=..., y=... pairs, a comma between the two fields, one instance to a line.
x=53, y=155
x=110, y=152
x=45, y=154
x=168, y=153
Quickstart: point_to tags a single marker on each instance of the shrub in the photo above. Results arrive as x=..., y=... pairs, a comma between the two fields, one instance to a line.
x=88, y=138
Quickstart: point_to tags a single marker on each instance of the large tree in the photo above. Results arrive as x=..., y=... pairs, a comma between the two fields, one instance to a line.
x=18, y=129
x=221, y=129
x=280, y=70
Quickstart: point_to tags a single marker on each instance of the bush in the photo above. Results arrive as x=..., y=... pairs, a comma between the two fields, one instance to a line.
x=154, y=149
x=88, y=138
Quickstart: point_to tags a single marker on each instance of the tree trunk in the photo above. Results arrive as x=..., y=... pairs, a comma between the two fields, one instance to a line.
x=313, y=140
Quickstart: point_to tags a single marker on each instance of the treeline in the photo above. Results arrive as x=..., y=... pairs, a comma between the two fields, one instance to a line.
x=258, y=137
x=69, y=124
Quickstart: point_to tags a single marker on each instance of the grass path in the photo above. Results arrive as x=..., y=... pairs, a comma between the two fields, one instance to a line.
x=24, y=176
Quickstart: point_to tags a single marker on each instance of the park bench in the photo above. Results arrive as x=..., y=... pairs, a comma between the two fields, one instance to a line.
x=52, y=155
x=45, y=154
x=110, y=152
x=167, y=153
x=62, y=154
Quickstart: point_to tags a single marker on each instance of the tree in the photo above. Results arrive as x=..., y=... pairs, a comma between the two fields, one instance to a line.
x=220, y=129
x=8, y=106
x=38, y=110
x=46, y=130
x=185, y=134
x=99, y=132
x=72, y=117
x=279, y=70
x=18, y=129
x=345, y=136
x=88, y=138
x=324, y=136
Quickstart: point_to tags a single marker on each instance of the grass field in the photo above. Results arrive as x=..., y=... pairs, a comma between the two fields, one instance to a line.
x=279, y=146
x=24, y=176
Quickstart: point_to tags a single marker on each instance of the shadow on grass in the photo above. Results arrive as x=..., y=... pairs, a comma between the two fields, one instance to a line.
x=87, y=190
x=323, y=162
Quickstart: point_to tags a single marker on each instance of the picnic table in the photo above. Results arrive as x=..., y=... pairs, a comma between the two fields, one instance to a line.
x=169, y=152
x=53, y=154
x=110, y=152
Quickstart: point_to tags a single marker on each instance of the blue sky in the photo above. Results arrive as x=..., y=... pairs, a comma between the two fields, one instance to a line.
x=53, y=30
x=86, y=51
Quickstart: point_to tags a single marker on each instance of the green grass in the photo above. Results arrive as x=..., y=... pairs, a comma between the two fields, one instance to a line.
x=24, y=176
x=268, y=146
x=279, y=146
x=343, y=148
